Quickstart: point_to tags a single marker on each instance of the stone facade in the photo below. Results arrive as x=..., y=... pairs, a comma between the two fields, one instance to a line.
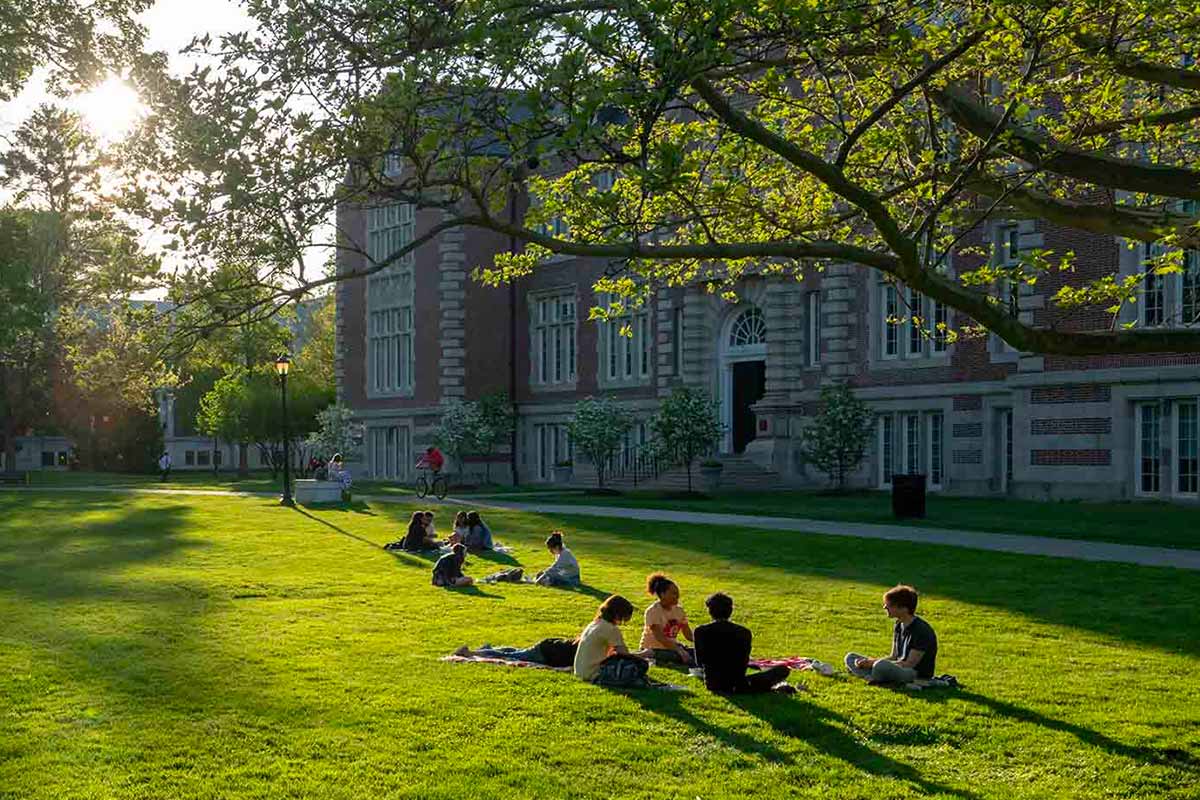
x=976, y=416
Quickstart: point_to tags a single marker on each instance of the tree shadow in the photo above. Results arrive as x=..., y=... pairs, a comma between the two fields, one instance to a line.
x=1155, y=608
x=1165, y=756
x=494, y=556
x=585, y=590
x=353, y=507
x=474, y=591
x=401, y=555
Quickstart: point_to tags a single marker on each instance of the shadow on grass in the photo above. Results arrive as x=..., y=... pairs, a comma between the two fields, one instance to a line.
x=410, y=559
x=1168, y=756
x=1155, y=607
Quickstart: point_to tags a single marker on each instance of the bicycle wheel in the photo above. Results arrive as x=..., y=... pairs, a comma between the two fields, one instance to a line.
x=439, y=487
x=421, y=486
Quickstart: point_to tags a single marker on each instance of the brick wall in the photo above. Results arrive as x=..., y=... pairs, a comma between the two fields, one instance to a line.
x=1070, y=458
x=1070, y=425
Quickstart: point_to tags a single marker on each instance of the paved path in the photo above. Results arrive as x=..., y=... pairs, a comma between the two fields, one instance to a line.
x=998, y=542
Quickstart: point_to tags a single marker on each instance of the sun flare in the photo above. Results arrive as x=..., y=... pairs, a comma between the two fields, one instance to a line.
x=110, y=109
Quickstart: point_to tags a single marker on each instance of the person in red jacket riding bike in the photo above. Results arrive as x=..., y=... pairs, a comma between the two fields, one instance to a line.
x=433, y=460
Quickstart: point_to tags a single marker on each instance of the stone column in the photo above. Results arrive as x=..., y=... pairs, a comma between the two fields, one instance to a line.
x=783, y=313
x=839, y=328
x=452, y=295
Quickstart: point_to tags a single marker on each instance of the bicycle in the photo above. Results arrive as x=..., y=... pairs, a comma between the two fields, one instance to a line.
x=426, y=485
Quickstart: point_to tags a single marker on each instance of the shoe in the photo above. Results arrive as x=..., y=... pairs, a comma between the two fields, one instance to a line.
x=783, y=688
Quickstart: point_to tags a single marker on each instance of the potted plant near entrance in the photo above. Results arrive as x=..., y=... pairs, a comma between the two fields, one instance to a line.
x=710, y=474
x=563, y=470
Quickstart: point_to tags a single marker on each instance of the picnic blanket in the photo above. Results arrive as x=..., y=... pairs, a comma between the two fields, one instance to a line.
x=504, y=662
x=800, y=663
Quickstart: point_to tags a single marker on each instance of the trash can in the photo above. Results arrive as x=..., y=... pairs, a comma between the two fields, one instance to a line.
x=908, y=496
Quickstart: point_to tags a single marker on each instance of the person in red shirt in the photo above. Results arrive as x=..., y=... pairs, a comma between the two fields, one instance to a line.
x=433, y=460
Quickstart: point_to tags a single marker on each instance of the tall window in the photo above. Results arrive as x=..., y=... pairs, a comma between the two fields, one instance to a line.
x=1149, y=423
x=1152, y=297
x=941, y=327
x=626, y=358
x=1189, y=289
x=912, y=444
x=909, y=323
x=390, y=367
x=1008, y=254
x=1187, y=466
x=677, y=340
x=886, y=437
x=890, y=306
x=1008, y=448
x=936, y=467
x=389, y=452
x=814, y=328
x=553, y=339
x=553, y=446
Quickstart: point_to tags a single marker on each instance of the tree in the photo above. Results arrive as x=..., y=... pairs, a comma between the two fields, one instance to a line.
x=686, y=427
x=336, y=433
x=745, y=138
x=497, y=420
x=460, y=430
x=597, y=431
x=836, y=440
x=318, y=336
x=225, y=413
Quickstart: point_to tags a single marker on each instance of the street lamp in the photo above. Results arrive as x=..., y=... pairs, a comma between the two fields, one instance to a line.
x=281, y=366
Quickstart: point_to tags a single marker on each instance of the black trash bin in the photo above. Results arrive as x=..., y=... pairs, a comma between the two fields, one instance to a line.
x=908, y=496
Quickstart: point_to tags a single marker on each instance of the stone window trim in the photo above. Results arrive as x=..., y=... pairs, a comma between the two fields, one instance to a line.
x=1008, y=238
x=905, y=451
x=929, y=356
x=570, y=332
x=389, y=321
x=1166, y=447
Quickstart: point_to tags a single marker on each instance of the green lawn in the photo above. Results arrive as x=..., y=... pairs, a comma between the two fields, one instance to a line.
x=196, y=647
x=1146, y=523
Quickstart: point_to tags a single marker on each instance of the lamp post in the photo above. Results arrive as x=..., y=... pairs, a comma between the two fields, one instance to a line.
x=281, y=366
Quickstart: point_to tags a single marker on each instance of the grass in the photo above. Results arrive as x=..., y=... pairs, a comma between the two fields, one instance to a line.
x=203, y=647
x=1144, y=523
x=258, y=481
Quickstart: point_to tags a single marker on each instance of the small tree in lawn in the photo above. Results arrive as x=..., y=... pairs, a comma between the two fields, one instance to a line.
x=836, y=440
x=597, y=431
x=460, y=429
x=497, y=418
x=687, y=425
x=335, y=433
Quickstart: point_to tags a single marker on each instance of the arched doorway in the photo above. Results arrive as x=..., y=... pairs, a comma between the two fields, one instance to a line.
x=743, y=375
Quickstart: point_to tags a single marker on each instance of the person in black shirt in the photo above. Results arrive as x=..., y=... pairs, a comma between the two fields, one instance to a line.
x=723, y=649
x=448, y=569
x=914, y=644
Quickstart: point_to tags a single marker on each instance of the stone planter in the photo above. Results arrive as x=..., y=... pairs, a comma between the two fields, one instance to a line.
x=563, y=474
x=710, y=477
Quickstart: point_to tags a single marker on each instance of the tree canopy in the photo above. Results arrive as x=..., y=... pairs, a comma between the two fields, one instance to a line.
x=690, y=141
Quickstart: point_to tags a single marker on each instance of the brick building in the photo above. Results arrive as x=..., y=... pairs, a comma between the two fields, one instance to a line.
x=975, y=416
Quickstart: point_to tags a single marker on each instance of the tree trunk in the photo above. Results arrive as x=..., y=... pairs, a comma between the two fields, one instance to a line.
x=243, y=460
x=10, y=443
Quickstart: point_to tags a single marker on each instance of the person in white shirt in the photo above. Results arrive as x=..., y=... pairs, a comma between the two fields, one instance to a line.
x=164, y=465
x=565, y=569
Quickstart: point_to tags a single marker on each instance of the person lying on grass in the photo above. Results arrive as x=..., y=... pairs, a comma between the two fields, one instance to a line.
x=665, y=620
x=552, y=652
x=478, y=536
x=914, y=644
x=448, y=569
x=602, y=657
x=565, y=569
x=723, y=649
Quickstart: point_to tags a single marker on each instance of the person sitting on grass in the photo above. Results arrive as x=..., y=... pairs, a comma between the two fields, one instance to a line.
x=460, y=528
x=602, y=657
x=552, y=652
x=448, y=572
x=430, y=533
x=914, y=644
x=723, y=649
x=665, y=620
x=565, y=569
x=417, y=537
x=478, y=536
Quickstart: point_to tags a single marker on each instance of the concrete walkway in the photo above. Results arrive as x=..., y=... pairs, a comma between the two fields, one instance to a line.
x=974, y=540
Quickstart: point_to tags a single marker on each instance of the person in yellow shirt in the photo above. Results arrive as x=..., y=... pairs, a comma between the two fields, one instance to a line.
x=602, y=657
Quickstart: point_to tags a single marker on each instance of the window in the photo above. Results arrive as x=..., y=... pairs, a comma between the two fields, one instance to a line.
x=1008, y=448
x=604, y=180
x=625, y=358
x=189, y=458
x=553, y=339
x=814, y=328
x=936, y=466
x=1149, y=423
x=390, y=357
x=1189, y=289
x=217, y=458
x=1152, y=296
x=553, y=445
x=677, y=340
x=749, y=328
x=389, y=451
x=202, y=458
x=885, y=450
x=1008, y=254
x=47, y=458
x=911, y=447
x=1187, y=466
x=909, y=322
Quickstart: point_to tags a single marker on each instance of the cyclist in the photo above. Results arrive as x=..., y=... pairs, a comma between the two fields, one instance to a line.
x=433, y=460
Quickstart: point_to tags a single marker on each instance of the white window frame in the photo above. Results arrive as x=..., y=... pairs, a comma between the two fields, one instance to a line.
x=625, y=360
x=1139, y=427
x=390, y=315
x=553, y=338
x=886, y=440
x=389, y=460
x=1008, y=444
x=915, y=339
x=1152, y=286
x=1177, y=444
x=814, y=328
x=889, y=307
x=677, y=322
x=551, y=445
x=910, y=443
x=1190, y=275
x=935, y=452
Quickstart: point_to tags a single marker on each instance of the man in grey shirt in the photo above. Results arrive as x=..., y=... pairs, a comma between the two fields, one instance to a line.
x=914, y=644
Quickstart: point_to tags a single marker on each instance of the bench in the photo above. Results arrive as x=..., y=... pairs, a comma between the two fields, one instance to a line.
x=21, y=478
x=309, y=491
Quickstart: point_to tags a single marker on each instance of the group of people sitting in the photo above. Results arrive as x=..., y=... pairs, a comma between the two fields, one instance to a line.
x=469, y=530
x=564, y=571
x=720, y=648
